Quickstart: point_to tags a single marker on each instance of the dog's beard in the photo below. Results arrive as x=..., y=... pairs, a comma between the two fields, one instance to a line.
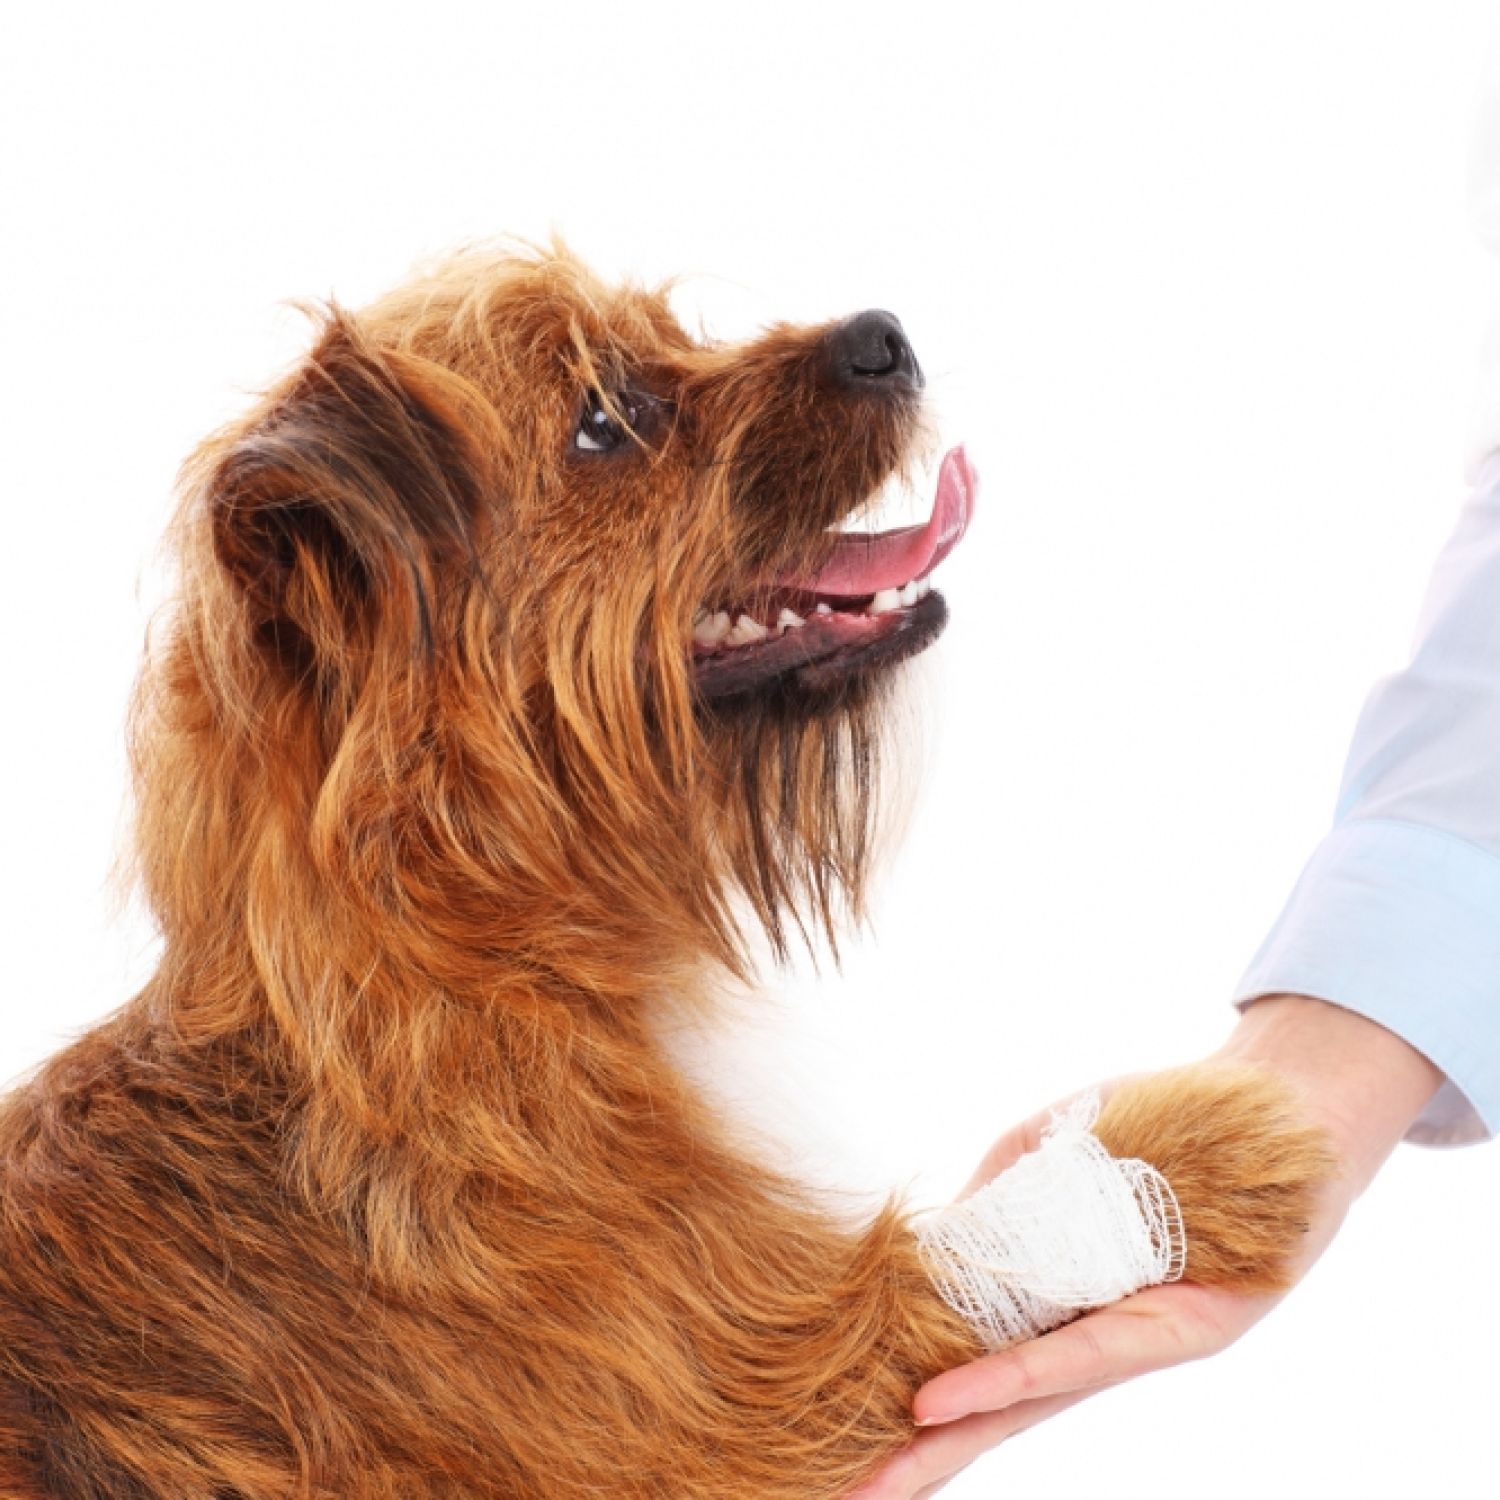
x=814, y=790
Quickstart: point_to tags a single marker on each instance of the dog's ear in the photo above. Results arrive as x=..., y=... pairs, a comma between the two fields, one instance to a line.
x=336, y=508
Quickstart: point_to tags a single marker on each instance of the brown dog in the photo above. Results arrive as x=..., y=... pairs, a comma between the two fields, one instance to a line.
x=381, y=1186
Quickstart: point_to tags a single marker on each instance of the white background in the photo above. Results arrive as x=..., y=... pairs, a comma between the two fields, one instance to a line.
x=1194, y=282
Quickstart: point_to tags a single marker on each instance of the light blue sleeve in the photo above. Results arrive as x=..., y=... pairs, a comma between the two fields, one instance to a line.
x=1397, y=913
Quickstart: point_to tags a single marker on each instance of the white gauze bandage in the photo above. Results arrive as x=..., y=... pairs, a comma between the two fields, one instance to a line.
x=1066, y=1228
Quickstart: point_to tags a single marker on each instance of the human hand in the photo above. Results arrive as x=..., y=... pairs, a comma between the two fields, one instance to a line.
x=1356, y=1080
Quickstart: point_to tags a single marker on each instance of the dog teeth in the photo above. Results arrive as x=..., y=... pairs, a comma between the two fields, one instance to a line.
x=710, y=630
x=902, y=598
x=718, y=628
x=745, y=631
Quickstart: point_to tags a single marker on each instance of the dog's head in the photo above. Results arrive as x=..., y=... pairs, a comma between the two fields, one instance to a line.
x=549, y=606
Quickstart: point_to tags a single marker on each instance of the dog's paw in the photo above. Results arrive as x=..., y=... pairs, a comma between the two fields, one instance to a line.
x=1243, y=1159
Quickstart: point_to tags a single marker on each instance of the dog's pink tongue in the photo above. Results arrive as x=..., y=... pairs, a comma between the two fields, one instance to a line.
x=866, y=563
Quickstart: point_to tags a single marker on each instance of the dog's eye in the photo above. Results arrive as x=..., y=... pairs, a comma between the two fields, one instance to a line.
x=598, y=432
x=602, y=431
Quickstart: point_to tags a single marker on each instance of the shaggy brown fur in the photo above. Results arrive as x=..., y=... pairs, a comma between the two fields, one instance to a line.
x=381, y=1187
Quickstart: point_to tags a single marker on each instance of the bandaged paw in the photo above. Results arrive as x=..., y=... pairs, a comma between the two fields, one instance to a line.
x=1066, y=1228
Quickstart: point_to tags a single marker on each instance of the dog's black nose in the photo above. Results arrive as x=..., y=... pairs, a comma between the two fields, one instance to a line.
x=871, y=348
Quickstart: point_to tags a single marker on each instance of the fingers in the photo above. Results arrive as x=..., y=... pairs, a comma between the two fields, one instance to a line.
x=938, y=1454
x=1143, y=1333
x=964, y=1412
x=942, y=1484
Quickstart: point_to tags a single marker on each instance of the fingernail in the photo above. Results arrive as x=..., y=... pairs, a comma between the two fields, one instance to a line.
x=941, y=1417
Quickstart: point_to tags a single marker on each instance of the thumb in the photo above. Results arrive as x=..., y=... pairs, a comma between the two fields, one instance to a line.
x=1021, y=1139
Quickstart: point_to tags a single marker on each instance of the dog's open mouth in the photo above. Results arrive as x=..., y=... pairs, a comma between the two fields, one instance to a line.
x=869, y=604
